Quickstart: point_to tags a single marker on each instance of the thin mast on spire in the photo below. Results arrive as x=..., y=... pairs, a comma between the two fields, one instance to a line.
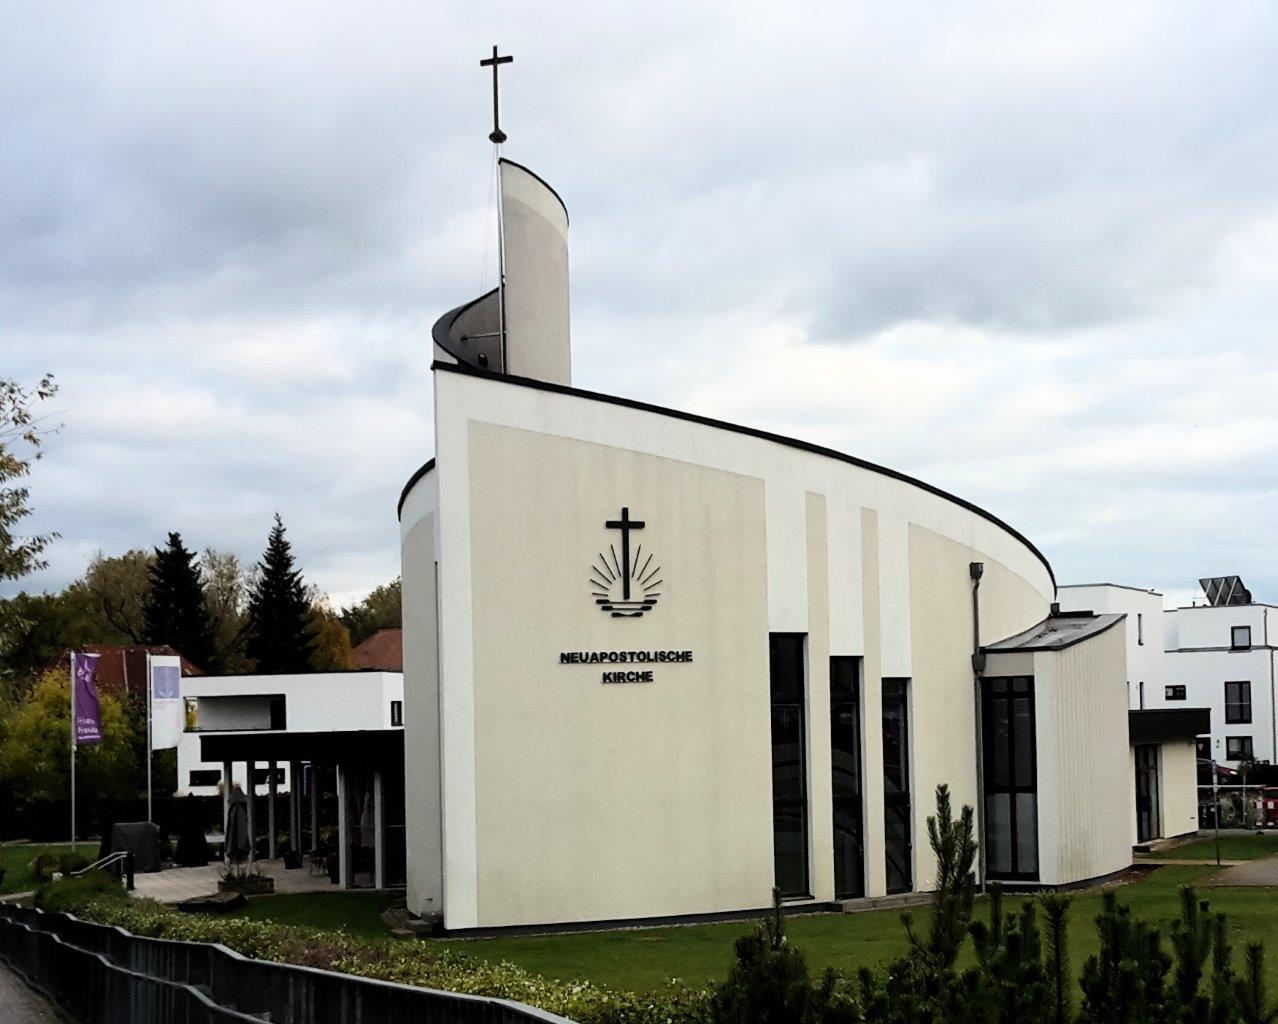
x=497, y=137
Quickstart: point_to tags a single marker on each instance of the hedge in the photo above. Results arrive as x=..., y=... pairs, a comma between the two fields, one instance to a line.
x=408, y=962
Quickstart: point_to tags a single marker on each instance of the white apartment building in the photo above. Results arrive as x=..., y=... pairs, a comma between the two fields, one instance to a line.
x=1222, y=657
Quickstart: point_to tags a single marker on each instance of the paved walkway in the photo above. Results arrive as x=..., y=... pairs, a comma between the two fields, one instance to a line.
x=1262, y=872
x=177, y=884
x=20, y=1004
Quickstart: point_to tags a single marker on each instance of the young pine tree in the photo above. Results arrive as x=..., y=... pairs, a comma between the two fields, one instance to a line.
x=954, y=845
x=175, y=612
x=279, y=634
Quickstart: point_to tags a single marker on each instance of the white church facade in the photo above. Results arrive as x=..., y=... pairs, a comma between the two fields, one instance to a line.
x=656, y=664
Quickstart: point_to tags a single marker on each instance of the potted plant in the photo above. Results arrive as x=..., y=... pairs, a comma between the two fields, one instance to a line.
x=247, y=879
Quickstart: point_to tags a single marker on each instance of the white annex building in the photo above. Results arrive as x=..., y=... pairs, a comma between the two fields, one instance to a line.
x=302, y=735
x=656, y=664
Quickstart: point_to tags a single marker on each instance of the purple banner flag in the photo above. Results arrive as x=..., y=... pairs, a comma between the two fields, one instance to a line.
x=88, y=712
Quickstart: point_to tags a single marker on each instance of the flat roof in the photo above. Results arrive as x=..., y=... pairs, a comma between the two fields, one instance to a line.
x=378, y=746
x=1056, y=632
x=1116, y=586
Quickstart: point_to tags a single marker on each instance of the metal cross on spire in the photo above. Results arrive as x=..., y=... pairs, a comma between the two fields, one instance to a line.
x=496, y=135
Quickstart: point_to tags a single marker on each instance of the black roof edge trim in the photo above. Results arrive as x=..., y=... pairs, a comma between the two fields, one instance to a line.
x=422, y=470
x=549, y=186
x=444, y=325
x=736, y=428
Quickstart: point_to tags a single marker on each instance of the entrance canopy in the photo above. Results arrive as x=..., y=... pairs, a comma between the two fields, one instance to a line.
x=374, y=747
x=1159, y=725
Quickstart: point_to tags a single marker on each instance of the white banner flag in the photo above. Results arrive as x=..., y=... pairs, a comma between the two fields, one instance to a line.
x=168, y=709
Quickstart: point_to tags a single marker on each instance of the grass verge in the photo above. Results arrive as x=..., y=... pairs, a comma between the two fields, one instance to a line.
x=16, y=861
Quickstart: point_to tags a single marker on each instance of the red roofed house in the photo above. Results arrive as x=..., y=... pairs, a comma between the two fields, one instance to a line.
x=384, y=651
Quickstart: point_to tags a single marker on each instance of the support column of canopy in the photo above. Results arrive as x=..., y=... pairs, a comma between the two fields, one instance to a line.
x=343, y=830
x=270, y=809
x=379, y=829
x=294, y=807
x=227, y=783
x=313, y=779
x=251, y=792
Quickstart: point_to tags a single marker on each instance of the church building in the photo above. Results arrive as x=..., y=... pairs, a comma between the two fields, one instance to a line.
x=656, y=664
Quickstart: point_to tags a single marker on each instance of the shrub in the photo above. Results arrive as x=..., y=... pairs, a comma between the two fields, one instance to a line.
x=68, y=893
x=69, y=862
x=44, y=866
x=768, y=982
x=408, y=962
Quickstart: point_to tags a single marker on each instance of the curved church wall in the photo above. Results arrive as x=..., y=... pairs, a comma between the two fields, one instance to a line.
x=566, y=798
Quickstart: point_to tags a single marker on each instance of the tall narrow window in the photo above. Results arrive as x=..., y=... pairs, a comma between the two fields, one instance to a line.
x=1010, y=774
x=845, y=763
x=789, y=765
x=896, y=786
x=1140, y=628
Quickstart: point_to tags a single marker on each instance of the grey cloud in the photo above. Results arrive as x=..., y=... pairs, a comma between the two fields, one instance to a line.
x=230, y=234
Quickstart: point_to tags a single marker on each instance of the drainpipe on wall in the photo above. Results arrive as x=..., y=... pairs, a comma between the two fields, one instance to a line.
x=975, y=571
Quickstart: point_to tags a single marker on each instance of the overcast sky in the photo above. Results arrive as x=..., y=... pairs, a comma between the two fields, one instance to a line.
x=1028, y=256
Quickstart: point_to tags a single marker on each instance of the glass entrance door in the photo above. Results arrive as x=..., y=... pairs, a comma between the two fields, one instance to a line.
x=1148, y=825
x=1010, y=775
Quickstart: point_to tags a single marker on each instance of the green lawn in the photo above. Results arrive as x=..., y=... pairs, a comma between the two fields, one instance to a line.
x=16, y=860
x=357, y=913
x=1232, y=847
x=647, y=958
x=644, y=959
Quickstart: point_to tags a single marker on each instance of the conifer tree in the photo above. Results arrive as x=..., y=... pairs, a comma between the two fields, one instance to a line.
x=279, y=634
x=175, y=612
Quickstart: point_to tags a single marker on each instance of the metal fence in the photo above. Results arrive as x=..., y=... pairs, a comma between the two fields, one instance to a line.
x=101, y=974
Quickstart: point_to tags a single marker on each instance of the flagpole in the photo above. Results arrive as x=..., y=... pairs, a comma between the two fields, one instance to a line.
x=71, y=656
x=149, y=697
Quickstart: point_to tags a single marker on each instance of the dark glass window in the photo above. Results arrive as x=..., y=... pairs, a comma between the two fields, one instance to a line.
x=279, y=718
x=1176, y=692
x=897, y=832
x=1240, y=638
x=1238, y=748
x=1238, y=703
x=1202, y=748
x=397, y=712
x=205, y=777
x=845, y=763
x=1010, y=772
x=1140, y=628
x=789, y=764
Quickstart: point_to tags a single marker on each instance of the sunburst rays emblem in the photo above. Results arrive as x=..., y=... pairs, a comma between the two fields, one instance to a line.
x=624, y=586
